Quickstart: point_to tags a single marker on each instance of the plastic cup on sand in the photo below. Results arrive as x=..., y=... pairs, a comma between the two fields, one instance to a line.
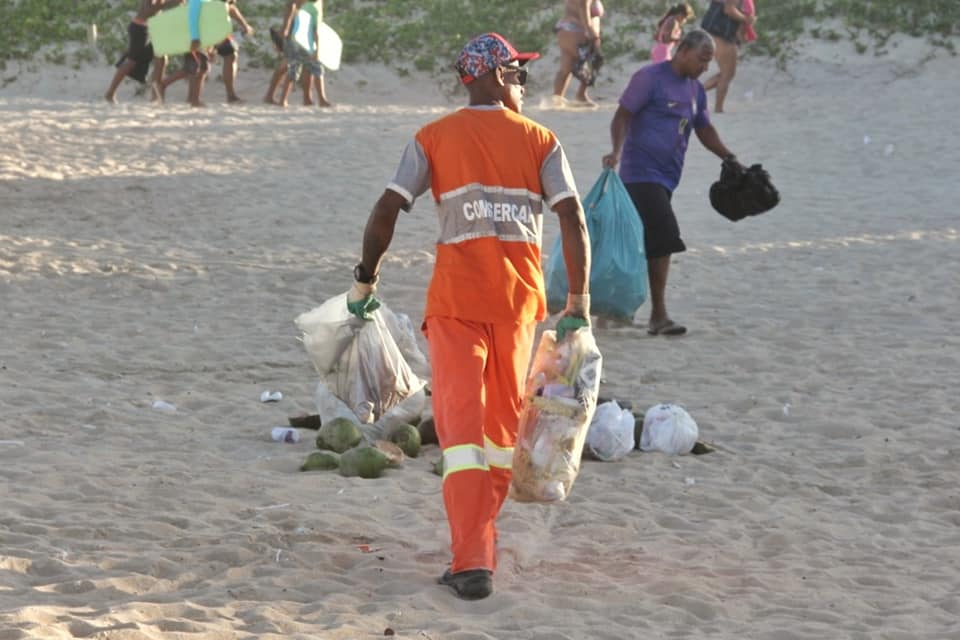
x=285, y=434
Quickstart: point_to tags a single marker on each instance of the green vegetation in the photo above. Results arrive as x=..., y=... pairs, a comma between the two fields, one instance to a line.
x=425, y=35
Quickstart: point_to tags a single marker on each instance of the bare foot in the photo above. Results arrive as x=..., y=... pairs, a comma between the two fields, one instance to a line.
x=109, y=98
x=156, y=91
x=282, y=104
x=269, y=100
x=198, y=105
x=234, y=99
x=324, y=104
x=582, y=103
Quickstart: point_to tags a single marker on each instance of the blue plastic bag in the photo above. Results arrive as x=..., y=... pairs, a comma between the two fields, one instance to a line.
x=618, y=274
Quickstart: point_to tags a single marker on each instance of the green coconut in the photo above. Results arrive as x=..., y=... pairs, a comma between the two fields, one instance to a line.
x=321, y=461
x=365, y=461
x=339, y=435
x=407, y=437
x=428, y=432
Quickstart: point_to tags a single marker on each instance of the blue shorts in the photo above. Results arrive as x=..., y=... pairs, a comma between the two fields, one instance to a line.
x=298, y=58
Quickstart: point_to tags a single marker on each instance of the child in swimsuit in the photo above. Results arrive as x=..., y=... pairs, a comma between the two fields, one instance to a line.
x=669, y=32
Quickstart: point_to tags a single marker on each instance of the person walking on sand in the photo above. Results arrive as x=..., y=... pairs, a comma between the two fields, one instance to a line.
x=299, y=57
x=139, y=54
x=196, y=62
x=492, y=172
x=725, y=20
x=229, y=50
x=195, y=67
x=650, y=132
x=669, y=31
x=579, y=26
x=276, y=38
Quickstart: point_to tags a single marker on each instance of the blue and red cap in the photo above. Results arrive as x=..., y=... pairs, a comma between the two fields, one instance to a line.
x=485, y=53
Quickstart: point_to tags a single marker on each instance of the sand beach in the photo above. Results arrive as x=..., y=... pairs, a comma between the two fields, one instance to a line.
x=162, y=253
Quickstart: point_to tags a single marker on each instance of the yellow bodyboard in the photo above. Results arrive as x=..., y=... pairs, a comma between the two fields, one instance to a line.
x=170, y=34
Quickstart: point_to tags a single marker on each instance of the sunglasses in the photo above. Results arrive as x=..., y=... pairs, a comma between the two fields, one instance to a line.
x=520, y=73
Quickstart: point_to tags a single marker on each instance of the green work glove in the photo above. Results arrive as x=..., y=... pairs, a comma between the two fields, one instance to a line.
x=361, y=301
x=575, y=316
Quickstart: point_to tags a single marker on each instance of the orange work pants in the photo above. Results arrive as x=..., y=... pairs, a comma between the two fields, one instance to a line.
x=478, y=374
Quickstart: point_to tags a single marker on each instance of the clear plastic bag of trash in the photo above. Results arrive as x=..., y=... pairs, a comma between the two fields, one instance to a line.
x=668, y=428
x=558, y=404
x=610, y=436
x=359, y=361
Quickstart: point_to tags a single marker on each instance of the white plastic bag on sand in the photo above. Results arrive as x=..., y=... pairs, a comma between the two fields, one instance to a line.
x=558, y=404
x=610, y=436
x=668, y=428
x=402, y=330
x=327, y=332
x=329, y=407
x=404, y=412
x=360, y=363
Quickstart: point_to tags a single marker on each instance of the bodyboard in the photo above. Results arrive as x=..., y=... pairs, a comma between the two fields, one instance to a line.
x=331, y=47
x=170, y=33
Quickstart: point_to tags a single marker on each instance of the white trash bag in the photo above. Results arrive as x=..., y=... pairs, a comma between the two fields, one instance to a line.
x=668, y=428
x=362, y=369
x=610, y=437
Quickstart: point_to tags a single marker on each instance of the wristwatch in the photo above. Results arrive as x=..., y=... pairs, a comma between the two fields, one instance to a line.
x=361, y=275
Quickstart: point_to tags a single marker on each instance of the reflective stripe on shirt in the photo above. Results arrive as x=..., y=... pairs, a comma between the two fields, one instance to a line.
x=480, y=211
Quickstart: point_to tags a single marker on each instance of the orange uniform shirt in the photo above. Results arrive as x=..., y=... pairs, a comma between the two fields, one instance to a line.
x=491, y=172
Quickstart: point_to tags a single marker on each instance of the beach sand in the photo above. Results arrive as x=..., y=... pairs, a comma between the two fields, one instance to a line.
x=162, y=254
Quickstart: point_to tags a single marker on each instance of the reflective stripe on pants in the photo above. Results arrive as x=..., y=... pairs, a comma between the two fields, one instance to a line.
x=478, y=372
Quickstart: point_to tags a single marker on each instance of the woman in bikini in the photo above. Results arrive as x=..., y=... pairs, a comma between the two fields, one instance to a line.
x=579, y=25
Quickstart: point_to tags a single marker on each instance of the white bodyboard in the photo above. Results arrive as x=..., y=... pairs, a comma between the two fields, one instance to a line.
x=330, y=46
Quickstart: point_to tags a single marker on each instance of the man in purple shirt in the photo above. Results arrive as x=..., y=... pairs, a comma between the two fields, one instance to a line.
x=650, y=131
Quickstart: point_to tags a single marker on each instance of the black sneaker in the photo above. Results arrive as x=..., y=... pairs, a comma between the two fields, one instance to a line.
x=474, y=584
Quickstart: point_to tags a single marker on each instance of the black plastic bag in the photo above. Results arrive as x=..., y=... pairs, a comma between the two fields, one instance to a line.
x=743, y=192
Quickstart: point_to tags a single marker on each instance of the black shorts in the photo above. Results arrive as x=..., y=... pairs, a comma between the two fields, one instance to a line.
x=661, y=233
x=139, y=51
x=196, y=62
x=226, y=48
